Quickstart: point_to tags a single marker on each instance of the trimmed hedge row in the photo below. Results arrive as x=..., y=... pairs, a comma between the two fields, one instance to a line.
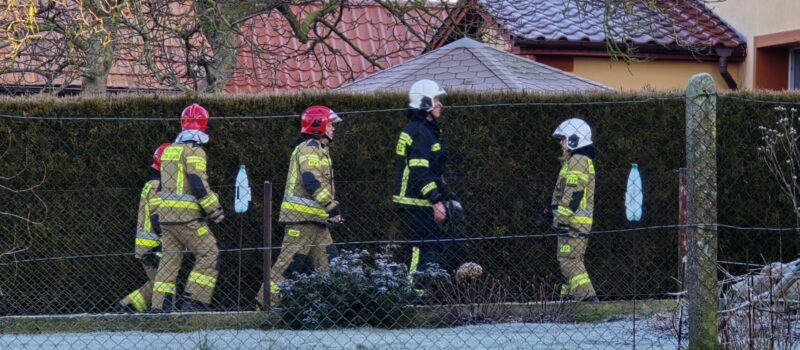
x=93, y=161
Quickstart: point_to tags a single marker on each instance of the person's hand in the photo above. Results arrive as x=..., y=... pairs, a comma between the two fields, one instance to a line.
x=439, y=212
x=547, y=215
x=338, y=219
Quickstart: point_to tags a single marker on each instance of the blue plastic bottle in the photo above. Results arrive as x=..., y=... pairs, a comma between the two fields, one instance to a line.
x=242, y=200
x=634, y=197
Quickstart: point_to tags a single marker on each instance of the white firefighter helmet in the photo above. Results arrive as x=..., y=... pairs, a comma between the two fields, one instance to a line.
x=577, y=133
x=422, y=94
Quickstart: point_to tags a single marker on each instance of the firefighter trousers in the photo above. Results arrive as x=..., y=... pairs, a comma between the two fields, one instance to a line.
x=195, y=237
x=438, y=248
x=139, y=299
x=302, y=243
x=571, y=250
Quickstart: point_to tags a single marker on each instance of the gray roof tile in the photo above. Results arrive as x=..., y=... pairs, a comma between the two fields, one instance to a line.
x=676, y=21
x=469, y=65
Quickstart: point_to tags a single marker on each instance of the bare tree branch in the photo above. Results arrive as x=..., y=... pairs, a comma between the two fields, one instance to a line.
x=29, y=190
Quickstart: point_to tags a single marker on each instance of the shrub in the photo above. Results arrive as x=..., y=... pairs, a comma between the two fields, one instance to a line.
x=361, y=289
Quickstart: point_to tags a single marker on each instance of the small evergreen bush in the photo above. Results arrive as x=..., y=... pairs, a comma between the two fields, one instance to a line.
x=361, y=289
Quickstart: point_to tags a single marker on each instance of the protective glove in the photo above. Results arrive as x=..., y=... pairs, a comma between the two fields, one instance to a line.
x=152, y=258
x=332, y=208
x=217, y=216
x=455, y=211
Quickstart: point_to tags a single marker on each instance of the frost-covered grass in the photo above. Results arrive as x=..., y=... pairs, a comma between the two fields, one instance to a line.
x=595, y=336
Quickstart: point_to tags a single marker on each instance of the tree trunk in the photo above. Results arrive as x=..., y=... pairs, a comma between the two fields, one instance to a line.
x=220, y=69
x=100, y=58
x=215, y=24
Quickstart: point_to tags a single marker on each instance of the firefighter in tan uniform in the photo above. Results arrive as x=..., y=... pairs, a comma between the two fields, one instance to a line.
x=147, y=238
x=309, y=204
x=187, y=202
x=572, y=206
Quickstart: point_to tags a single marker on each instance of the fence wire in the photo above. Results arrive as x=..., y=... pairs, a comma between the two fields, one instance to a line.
x=551, y=247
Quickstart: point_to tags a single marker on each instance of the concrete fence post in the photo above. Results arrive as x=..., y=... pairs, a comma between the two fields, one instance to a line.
x=701, y=162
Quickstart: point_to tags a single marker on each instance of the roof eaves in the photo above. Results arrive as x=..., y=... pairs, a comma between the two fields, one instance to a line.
x=544, y=66
x=642, y=51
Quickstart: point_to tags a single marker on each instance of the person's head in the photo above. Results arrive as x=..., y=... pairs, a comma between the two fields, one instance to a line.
x=194, y=117
x=157, y=157
x=425, y=95
x=573, y=133
x=317, y=121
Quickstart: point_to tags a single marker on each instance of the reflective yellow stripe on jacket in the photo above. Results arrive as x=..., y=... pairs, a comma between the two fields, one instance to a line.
x=404, y=141
x=411, y=201
x=298, y=205
x=304, y=209
x=147, y=239
x=580, y=218
x=401, y=198
x=173, y=154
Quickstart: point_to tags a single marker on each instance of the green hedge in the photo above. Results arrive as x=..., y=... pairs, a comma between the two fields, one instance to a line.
x=502, y=163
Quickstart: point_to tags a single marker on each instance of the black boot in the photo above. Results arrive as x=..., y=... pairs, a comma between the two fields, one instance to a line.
x=191, y=305
x=122, y=309
x=166, y=308
x=591, y=300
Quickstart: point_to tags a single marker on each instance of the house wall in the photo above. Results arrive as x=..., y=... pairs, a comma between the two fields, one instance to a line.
x=657, y=75
x=755, y=18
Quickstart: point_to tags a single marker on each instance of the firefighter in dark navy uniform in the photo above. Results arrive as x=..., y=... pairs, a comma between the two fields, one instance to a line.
x=421, y=194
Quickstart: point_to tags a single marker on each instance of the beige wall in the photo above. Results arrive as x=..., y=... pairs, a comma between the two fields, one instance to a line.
x=758, y=17
x=658, y=75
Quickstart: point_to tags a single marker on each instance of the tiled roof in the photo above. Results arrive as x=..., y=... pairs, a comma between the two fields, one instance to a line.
x=366, y=25
x=469, y=65
x=678, y=22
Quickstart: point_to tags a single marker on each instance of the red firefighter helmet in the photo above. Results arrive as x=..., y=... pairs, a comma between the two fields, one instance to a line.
x=315, y=120
x=157, y=156
x=194, y=117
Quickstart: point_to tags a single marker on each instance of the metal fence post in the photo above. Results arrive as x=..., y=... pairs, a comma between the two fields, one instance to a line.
x=701, y=155
x=267, y=244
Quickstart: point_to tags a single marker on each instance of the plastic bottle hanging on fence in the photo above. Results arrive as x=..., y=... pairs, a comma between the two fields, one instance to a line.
x=242, y=191
x=634, y=198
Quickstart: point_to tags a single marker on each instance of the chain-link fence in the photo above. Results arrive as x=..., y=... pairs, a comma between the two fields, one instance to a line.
x=95, y=258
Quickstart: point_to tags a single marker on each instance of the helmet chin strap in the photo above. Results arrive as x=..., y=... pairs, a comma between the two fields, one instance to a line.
x=325, y=139
x=433, y=120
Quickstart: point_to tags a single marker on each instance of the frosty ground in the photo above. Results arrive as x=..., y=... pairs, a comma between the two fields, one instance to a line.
x=595, y=336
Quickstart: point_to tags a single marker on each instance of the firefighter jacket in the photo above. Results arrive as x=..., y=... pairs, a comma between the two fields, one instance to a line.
x=309, y=195
x=420, y=159
x=184, y=192
x=147, y=229
x=573, y=198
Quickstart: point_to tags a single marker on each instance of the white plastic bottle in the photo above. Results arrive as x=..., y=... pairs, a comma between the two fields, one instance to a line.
x=634, y=196
x=242, y=200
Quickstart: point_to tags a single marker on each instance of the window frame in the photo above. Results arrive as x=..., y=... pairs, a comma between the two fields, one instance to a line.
x=794, y=67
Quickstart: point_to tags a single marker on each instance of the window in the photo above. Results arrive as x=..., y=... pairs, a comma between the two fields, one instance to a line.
x=794, y=69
